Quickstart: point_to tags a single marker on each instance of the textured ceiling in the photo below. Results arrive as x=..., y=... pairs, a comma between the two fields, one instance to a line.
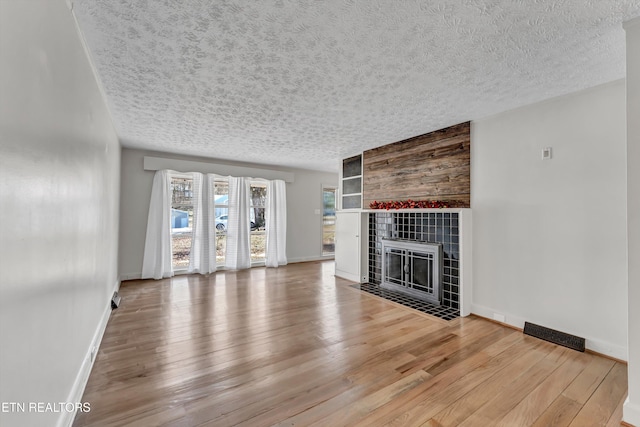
x=305, y=83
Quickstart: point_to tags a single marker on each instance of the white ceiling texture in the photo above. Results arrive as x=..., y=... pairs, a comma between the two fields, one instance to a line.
x=305, y=83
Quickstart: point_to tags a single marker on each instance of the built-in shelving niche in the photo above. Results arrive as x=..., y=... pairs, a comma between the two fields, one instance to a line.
x=352, y=183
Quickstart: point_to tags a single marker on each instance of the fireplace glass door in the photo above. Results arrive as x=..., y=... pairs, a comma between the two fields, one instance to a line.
x=422, y=270
x=412, y=268
x=394, y=258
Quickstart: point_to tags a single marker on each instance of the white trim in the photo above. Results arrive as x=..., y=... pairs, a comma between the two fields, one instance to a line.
x=340, y=191
x=465, y=223
x=599, y=346
x=606, y=348
x=80, y=383
x=631, y=413
x=364, y=248
x=348, y=276
x=631, y=409
x=487, y=313
x=92, y=66
x=138, y=276
x=307, y=259
x=159, y=163
x=420, y=210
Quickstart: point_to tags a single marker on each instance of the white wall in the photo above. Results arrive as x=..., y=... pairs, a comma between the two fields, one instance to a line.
x=549, y=236
x=59, y=190
x=304, y=197
x=632, y=405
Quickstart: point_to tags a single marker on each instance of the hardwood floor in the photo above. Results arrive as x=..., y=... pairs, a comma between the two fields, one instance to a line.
x=296, y=346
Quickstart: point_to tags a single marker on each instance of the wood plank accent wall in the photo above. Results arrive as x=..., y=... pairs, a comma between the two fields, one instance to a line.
x=433, y=166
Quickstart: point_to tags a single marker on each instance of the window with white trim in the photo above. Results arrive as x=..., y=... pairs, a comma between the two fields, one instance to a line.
x=181, y=221
x=258, y=204
x=257, y=208
x=221, y=215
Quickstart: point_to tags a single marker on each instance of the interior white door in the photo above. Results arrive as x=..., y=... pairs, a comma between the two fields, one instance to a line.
x=347, y=254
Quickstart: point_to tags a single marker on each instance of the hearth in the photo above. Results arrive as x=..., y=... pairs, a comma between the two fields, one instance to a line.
x=434, y=226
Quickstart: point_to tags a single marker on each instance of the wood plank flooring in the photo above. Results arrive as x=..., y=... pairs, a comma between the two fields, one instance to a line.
x=295, y=346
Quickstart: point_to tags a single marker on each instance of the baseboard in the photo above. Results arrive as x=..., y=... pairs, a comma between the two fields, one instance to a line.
x=631, y=414
x=80, y=383
x=138, y=276
x=488, y=313
x=607, y=349
x=603, y=348
x=309, y=258
x=130, y=276
x=348, y=276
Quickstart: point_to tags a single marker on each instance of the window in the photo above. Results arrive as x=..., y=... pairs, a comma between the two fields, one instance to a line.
x=181, y=221
x=182, y=216
x=328, y=220
x=257, y=216
x=221, y=200
x=258, y=200
x=352, y=183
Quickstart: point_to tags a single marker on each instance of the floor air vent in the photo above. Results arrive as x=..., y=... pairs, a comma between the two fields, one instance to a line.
x=556, y=337
x=115, y=300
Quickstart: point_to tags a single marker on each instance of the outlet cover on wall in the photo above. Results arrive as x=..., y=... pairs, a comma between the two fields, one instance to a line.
x=546, y=153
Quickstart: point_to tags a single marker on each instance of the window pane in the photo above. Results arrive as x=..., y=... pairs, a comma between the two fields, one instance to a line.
x=221, y=200
x=258, y=195
x=352, y=166
x=257, y=221
x=181, y=221
x=221, y=247
x=258, y=199
x=222, y=216
x=221, y=191
x=257, y=245
x=328, y=220
x=256, y=216
x=350, y=202
x=352, y=186
x=258, y=236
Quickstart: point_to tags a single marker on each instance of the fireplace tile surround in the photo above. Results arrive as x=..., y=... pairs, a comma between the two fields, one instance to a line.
x=435, y=227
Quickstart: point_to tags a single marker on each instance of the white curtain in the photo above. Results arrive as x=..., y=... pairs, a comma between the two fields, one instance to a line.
x=157, y=263
x=238, y=254
x=202, y=258
x=276, y=224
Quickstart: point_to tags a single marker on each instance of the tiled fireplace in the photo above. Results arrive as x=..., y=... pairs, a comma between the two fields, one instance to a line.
x=433, y=227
